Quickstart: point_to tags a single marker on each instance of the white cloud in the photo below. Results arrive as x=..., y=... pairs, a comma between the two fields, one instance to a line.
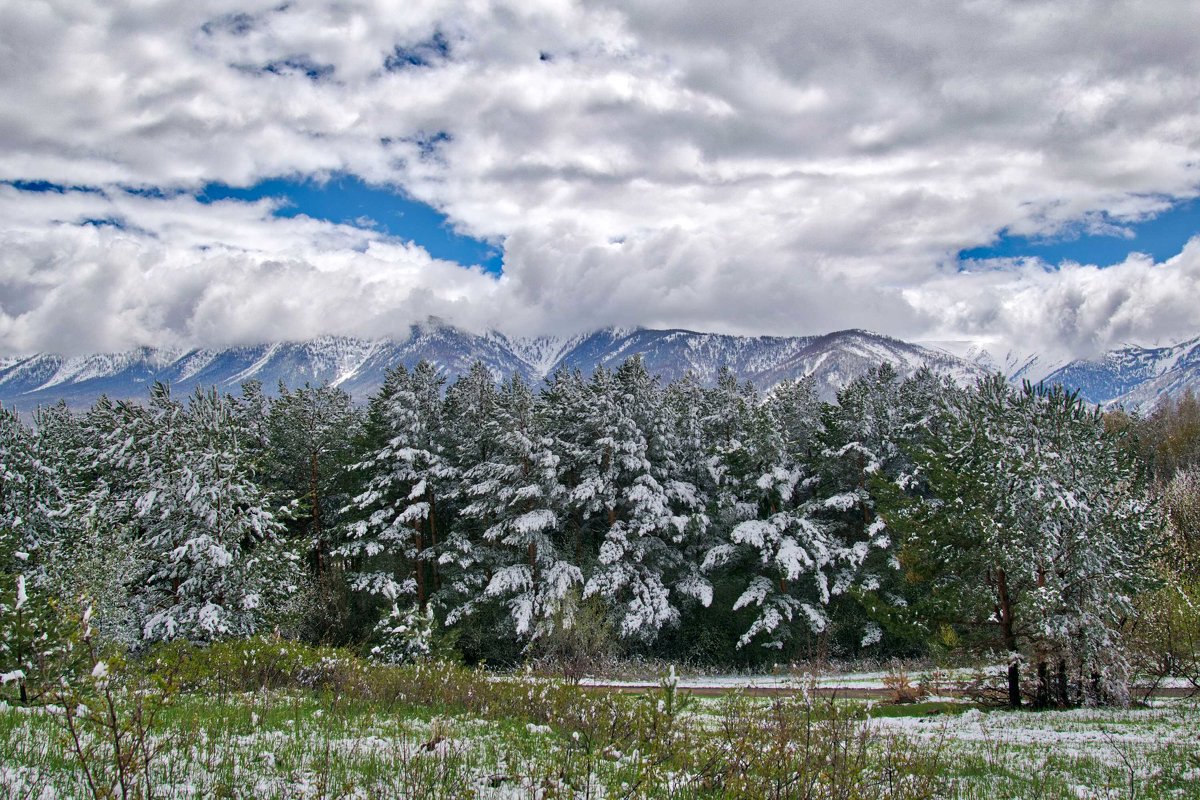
x=179, y=273
x=780, y=167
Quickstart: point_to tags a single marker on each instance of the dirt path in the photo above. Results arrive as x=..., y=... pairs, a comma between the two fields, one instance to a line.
x=847, y=692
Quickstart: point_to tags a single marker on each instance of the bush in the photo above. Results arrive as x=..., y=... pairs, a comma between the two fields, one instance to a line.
x=258, y=663
x=579, y=641
x=37, y=639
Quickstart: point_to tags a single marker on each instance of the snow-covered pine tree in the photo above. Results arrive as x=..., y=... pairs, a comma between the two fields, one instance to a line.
x=310, y=434
x=775, y=545
x=89, y=559
x=253, y=410
x=1037, y=528
x=205, y=534
x=563, y=410
x=395, y=538
x=1095, y=525
x=29, y=496
x=515, y=493
x=30, y=546
x=688, y=484
x=796, y=411
x=864, y=436
x=472, y=430
x=639, y=558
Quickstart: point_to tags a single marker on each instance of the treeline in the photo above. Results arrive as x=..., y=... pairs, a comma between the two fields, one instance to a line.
x=604, y=514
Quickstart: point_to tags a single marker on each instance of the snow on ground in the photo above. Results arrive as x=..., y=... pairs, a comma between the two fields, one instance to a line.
x=1112, y=736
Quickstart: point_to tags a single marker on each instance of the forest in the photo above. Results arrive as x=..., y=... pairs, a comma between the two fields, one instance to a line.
x=610, y=516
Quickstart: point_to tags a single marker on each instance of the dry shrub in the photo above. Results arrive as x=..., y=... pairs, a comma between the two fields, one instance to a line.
x=902, y=688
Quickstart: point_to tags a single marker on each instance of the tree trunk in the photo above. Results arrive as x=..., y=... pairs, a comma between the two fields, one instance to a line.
x=1043, y=684
x=1009, y=638
x=433, y=543
x=419, y=567
x=314, y=498
x=1042, y=701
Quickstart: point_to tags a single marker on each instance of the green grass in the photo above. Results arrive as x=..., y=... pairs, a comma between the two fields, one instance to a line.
x=247, y=722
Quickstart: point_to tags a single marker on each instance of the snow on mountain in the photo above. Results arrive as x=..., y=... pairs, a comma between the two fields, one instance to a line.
x=541, y=353
x=673, y=353
x=837, y=358
x=1132, y=375
x=1015, y=365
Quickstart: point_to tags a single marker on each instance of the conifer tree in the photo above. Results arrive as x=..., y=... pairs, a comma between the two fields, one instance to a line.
x=516, y=494
x=210, y=566
x=30, y=496
x=405, y=479
x=309, y=442
x=1036, y=526
x=648, y=515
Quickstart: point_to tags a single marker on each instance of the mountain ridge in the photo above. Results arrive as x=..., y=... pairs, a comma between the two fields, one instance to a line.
x=357, y=365
x=1132, y=376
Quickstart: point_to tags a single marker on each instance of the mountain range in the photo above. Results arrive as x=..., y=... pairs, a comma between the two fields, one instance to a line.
x=1132, y=376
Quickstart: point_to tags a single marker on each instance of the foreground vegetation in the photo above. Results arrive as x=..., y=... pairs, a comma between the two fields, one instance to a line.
x=264, y=718
x=269, y=719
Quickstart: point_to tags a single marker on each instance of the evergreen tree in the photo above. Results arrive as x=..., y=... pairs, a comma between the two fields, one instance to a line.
x=309, y=442
x=405, y=479
x=209, y=562
x=563, y=410
x=30, y=497
x=516, y=494
x=1036, y=526
x=784, y=555
x=648, y=514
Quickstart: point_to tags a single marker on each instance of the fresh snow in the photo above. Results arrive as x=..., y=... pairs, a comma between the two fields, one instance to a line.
x=357, y=365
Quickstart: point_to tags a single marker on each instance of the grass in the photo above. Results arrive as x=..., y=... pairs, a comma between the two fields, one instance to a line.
x=264, y=720
x=1082, y=753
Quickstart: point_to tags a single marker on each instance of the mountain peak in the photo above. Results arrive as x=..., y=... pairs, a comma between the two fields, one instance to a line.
x=1133, y=376
x=358, y=365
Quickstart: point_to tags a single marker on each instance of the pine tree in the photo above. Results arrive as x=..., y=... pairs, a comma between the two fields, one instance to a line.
x=30, y=496
x=783, y=554
x=205, y=534
x=309, y=442
x=31, y=540
x=472, y=430
x=640, y=557
x=395, y=540
x=563, y=408
x=516, y=494
x=1037, y=527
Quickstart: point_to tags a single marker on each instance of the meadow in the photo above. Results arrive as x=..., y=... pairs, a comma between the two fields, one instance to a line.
x=278, y=720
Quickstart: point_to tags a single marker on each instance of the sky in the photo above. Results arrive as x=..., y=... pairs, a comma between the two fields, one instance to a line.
x=1020, y=175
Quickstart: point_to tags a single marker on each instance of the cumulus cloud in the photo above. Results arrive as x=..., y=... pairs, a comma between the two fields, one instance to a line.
x=781, y=167
x=83, y=272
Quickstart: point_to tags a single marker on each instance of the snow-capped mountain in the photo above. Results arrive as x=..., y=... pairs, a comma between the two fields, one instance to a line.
x=358, y=365
x=1132, y=376
x=1016, y=365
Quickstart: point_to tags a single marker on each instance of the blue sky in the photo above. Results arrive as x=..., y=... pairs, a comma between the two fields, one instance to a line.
x=346, y=199
x=1159, y=237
